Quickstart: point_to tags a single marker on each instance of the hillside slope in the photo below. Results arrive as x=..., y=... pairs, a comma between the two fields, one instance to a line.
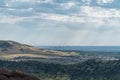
x=17, y=51
x=15, y=75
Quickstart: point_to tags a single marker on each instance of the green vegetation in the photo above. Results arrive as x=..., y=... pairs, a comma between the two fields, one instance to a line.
x=88, y=70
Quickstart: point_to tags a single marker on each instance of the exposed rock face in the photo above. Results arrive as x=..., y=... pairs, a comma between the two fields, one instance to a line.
x=15, y=75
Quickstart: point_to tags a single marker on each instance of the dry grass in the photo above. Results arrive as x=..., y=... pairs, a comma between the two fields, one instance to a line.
x=45, y=54
x=10, y=56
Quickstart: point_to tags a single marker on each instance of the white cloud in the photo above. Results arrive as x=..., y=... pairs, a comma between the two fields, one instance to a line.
x=30, y=10
x=13, y=3
x=62, y=18
x=87, y=2
x=68, y=5
x=99, y=12
x=45, y=1
x=31, y=1
x=102, y=2
x=10, y=19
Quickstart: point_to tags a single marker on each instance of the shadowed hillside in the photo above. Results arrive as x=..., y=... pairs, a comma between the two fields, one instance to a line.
x=15, y=75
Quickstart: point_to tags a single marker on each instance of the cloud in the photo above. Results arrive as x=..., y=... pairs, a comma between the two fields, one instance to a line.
x=60, y=22
x=105, y=1
x=62, y=18
x=87, y=2
x=10, y=20
x=99, y=12
x=68, y=5
x=35, y=1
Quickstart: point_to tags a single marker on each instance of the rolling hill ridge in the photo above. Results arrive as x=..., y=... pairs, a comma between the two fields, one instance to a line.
x=14, y=50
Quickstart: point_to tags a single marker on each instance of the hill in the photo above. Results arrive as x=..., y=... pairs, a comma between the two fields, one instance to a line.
x=12, y=47
x=11, y=50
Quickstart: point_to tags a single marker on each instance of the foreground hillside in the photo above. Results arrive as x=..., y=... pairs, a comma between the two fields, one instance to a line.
x=88, y=70
x=15, y=75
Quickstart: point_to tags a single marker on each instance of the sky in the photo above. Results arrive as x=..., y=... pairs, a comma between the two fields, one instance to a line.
x=61, y=22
